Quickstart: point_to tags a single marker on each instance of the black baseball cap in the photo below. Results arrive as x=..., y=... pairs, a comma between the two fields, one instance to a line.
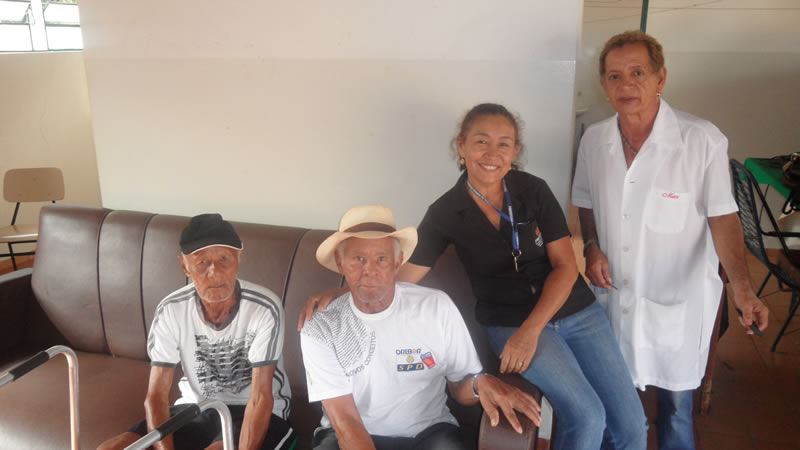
x=207, y=230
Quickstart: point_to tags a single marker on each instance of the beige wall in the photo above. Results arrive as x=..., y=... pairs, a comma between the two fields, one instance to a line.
x=45, y=121
x=291, y=112
x=735, y=63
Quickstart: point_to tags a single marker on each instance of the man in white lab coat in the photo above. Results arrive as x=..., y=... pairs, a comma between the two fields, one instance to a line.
x=653, y=190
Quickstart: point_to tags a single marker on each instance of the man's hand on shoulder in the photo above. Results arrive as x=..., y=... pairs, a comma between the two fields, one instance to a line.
x=497, y=396
x=318, y=302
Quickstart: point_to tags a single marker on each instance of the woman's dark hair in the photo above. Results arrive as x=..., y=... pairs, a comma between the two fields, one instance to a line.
x=484, y=110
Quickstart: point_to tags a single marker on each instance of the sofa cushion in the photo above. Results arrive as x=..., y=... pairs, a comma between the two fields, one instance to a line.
x=65, y=274
x=99, y=276
x=121, y=239
x=307, y=277
x=35, y=412
x=161, y=273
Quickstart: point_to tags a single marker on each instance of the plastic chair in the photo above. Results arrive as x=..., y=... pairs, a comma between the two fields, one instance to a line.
x=787, y=269
x=42, y=184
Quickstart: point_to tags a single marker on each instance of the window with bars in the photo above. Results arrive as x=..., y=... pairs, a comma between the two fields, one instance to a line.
x=39, y=25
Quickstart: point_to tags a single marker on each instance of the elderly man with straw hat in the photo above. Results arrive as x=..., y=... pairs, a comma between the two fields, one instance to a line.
x=380, y=356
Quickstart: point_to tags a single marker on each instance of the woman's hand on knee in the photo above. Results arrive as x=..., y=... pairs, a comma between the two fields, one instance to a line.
x=519, y=350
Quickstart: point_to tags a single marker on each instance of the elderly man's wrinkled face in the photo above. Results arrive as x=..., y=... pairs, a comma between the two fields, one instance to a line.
x=630, y=82
x=213, y=271
x=370, y=267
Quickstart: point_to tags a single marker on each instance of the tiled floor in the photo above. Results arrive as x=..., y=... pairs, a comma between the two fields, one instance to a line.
x=22, y=263
x=756, y=394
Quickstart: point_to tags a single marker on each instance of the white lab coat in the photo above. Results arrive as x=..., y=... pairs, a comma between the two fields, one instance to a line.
x=652, y=225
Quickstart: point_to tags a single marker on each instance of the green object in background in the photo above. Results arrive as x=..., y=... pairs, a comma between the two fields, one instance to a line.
x=643, y=21
x=766, y=172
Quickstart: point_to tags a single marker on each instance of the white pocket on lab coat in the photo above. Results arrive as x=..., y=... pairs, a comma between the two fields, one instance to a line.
x=660, y=326
x=666, y=210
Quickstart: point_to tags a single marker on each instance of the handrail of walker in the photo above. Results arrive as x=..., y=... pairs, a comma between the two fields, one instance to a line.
x=37, y=360
x=184, y=417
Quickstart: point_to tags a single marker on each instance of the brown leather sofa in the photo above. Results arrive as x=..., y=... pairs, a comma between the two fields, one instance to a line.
x=97, y=278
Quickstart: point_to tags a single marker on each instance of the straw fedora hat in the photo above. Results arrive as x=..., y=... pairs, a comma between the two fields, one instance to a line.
x=366, y=222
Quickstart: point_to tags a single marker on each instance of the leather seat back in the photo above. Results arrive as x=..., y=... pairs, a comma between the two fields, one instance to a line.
x=100, y=274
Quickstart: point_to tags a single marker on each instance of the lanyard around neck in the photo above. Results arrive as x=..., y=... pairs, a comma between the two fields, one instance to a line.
x=516, y=252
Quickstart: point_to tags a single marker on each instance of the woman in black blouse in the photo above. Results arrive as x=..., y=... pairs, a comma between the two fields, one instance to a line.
x=541, y=318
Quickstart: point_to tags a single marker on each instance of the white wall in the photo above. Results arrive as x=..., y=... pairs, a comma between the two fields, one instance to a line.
x=291, y=112
x=733, y=62
x=45, y=122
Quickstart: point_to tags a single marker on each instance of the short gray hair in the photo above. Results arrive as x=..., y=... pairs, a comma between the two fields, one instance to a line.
x=184, y=257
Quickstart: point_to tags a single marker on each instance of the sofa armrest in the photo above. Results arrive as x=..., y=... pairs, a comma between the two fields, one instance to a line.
x=503, y=435
x=24, y=327
x=15, y=293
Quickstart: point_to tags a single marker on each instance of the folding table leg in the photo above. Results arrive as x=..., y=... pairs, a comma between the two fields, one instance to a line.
x=792, y=310
x=763, y=284
x=13, y=259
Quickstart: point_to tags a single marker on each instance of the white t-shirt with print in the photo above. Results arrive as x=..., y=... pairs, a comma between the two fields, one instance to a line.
x=394, y=362
x=218, y=362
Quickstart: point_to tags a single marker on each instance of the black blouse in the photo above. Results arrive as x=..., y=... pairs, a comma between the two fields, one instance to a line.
x=505, y=296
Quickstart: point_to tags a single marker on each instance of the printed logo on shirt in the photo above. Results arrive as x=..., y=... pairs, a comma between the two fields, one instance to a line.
x=222, y=365
x=539, y=241
x=671, y=195
x=412, y=359
x=353, y=342
x=428, y=360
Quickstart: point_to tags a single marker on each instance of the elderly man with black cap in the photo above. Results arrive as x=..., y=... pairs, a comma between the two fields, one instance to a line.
x=379, y=357
x=228, y=336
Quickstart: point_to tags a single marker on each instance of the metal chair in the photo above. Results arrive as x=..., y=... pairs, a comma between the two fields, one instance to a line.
x=42, y=184
x=787, y=269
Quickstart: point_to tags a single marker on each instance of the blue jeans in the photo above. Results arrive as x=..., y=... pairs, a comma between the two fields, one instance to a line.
x=674, y=421
x=579, y=368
